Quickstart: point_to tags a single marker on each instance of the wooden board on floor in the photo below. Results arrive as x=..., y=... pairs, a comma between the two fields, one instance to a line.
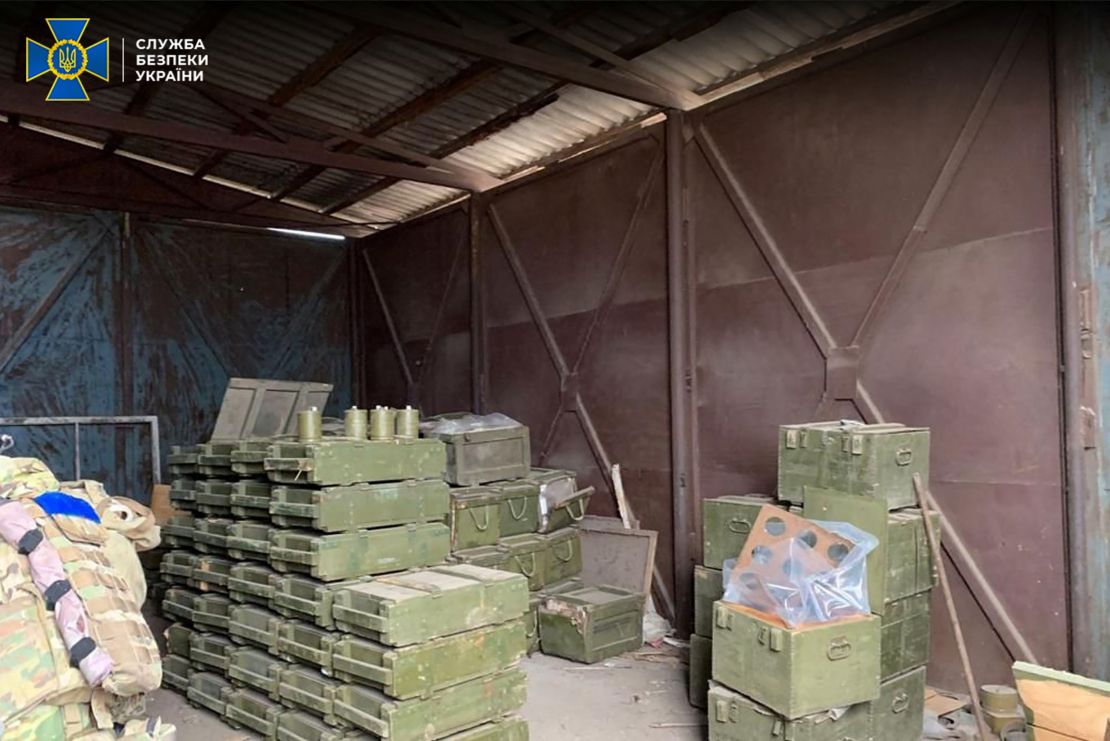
x=1061, y=705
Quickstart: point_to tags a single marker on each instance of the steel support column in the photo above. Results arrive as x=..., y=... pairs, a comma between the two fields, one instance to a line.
x=478, y=374
x=681, y=372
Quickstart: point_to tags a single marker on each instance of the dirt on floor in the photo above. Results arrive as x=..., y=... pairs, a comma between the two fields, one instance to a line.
x=640, y=696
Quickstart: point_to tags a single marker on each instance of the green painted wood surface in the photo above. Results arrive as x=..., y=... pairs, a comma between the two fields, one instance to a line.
x=257, y=669
x=905, y=635
x=591, y=624
x=726, y=523
x=563, y=559
x=209, y=690
x=342, y=462
x=254, y=625
x=520, y=506
x=341, y=508
x=708, y=588
x=305, y=688
x=898, y=713
x=701, y=660
x=252, y=583
x=307, y=598
x=249, y=709
x=339, y=556
x=511, y=728
x=475, y=517
x=734, y=717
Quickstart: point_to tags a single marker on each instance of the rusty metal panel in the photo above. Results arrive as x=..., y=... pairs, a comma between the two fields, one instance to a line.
x=886, y=224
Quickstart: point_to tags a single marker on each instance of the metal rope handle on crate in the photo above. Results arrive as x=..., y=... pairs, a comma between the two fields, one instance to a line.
x=580, y=496
x=523, y=509
x=481, y=528
x=523, y=570
x=570, y=552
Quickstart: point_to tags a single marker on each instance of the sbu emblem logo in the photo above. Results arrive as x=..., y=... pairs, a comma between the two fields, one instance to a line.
x=67, y=59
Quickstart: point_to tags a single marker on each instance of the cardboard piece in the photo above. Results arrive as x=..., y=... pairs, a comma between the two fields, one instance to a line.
x=617, y=557
x=1063, y=703
x=942, y=704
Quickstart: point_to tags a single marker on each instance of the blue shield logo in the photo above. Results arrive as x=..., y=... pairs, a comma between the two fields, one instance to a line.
x=67, y=59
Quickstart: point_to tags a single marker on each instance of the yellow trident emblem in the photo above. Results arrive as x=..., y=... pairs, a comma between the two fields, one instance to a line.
x=67, y=58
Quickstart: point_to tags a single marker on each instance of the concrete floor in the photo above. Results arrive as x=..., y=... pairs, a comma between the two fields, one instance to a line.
x=639, y=697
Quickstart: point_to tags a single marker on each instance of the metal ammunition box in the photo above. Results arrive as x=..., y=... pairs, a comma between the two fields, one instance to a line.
x=484, y=455
x=562, y=503
x=176, y=671
x=178, y=532
x=182, y=460
x=177, y=568
x=296, y=725
x=210, y=534
x=726, y=522
x=701, y=658
x=708, y=587
x=487, y=556
x=520, y=506
x=183, y=494
x=532, y=623
x=212, y=611
x=339, y=556
x=305, y=598
x=901, y=565
x=179, y=603
x=343, y=508
x=877, y=461
x=795, y=671
x=256, y=669
x=899, y=712
x=254, y=625
x=475, y=517
x=510, y=728
x=248, y=540
x=905, y=635
x=305, y=688
x=209, y=652
x=210, y=573
x=209, y=691
x=564, y=555
x=213, y=497
x=249, y=709
x=591, y=624
x=249, y=456
x=424, y=668
x=214, y=459
x=177, y=639
x=527, y=555
x=253, y=583
x=733, y=717
x=251, y=499
x=343, y=461
x=305, y=643
x=448, y=711
x=404, y=609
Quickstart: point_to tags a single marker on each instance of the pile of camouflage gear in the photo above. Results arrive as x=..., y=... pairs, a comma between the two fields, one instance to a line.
x=76, y=656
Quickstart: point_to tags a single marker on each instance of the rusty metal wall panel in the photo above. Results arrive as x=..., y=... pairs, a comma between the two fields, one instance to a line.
x=898, y=208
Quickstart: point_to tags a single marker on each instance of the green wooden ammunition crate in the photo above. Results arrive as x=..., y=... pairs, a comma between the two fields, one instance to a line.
x=249, y=457
x=249, y=709
x=484, y=455
x=210, y=534
x=212, y=611
x=701, y=659
x=177, y=568
x=422, y=669
x=487, y=556
x=795, y=672
x=214, y=459
x=210, y=573
x=898, y=714
x=520, y=506
x=305, y=688
x=305, y=598
x=341, y=508
x=708, y=587
x=726, y=522
x=591, y=624
x=253, y=583
x=403, y=609
x=475, y=517
x=510, y=728
x=251, y=499
x=256, y=669
x=561, y=587
x=248, y=540
x=179, y=603
x=901, y=565
x=564, y=555
x=877, y=461
x=305, y=643
x=448, y=711
x=213, y=497
x=296, y=725
x=733, y=717
x=532, y=623
x=345, y=461
x=527, y=555
x=254, y=625
x=176, y=671
x=209, y=691
x=209, y=652
x=183, y=494
x=177, y=639
x=339, y=556
x=905, y=635
x=178, y=532
x=182, y=460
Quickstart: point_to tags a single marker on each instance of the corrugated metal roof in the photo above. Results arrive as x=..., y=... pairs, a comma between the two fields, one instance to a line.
x=499, y=120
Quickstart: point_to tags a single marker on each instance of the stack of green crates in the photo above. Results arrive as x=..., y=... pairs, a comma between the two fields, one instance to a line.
x=769, y=679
